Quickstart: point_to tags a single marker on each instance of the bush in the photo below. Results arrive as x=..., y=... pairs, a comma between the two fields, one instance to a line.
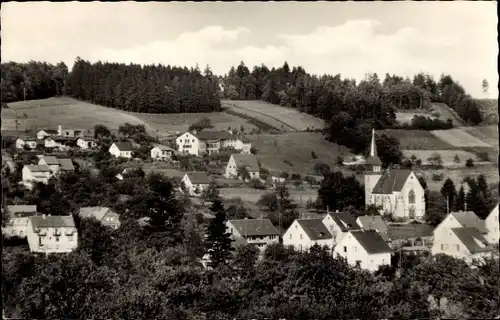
x=426, y=123
x=253, y=150
x=418, y=162
x=483, y=156
x=456, y=159
x=313, y=155
x=295, y=176
x=257, y=184
x=437, y=177
x=469, y=163
x=407, y=164
x=284, y=174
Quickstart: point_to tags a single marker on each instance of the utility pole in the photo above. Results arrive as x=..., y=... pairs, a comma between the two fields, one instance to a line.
x=24, y=91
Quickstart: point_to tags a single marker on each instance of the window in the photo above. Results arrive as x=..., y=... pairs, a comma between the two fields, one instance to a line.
x=180, y=140
x=457, y=247
x=355, y=249
x=290, y=236
x=70, y=238
x=411, y=196
x=345, y=249
x=301, y=236
x=57, y=239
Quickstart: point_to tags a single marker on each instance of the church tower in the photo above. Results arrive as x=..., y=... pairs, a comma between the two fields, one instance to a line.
x=373, y=170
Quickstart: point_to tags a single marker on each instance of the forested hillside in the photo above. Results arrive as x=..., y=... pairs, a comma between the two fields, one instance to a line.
x=136, y=88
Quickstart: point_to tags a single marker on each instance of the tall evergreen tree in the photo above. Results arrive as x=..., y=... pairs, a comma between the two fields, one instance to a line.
x=449, y=192
x=459, y=203
x=218, y=240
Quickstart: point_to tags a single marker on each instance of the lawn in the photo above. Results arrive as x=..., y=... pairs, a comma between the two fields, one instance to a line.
x=279, y=117
x=253, y=195
x=418, y=140
x=49, y=113
x=487, y=134
x=448, y=156
x=460, y=138
x=446, y=113
x=407, y=116
x=295, y=148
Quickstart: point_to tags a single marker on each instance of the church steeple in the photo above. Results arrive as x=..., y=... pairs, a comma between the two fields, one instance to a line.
x=373, y=161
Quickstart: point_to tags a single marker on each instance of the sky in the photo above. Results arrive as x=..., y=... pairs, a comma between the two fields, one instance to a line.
x=351, y=38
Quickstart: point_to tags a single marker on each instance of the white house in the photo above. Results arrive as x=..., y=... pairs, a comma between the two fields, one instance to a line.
x=52, y=234
x=35, y=173
x=207, y=141
x=364, y=248
x=305, y=233
x=374, y=223
x=460, y=219
x=18, y=216
x=105, y=215
x=122, y=149
x=249, y=161
x=260, y=232
x=238, y=143
x=30, y=142
x=188, y=143
x=161, y=152
x=73, y=132
x=56, y=164
x=339, y=224
x=61, y=143
x=43, y=133
x=491, y=223
x=86, y=142
x=195, y=182
x=397, y=191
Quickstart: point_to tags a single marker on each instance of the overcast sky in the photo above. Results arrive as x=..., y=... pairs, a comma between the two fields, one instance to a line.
x=459, y=38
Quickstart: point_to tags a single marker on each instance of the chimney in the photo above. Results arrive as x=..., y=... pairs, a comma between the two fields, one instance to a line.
x=59, y=130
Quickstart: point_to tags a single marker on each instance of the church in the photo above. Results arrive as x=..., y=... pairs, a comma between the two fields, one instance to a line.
x=396, y=191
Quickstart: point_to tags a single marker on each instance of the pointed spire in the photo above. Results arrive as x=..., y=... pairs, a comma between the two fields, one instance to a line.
x=373, y=158
x=373, y=146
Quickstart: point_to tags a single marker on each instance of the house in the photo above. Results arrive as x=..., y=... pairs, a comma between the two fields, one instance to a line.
x=249, y=161
x=18, y=219
x=410, y=237
x=339, y=224
x=466, y=243
x=365, y=248
x=460, y=219
x=30, y=142
x=61, y=143
x=57, y=164
x=73, y=133
x=260, y=232
x=104, y=215
x=52, y=234
x=86, y=142
x=195, y=182
x=35, y=173
x=305, y=233
x=43, y=133
x=373, y=223
x=491, y=223
x=396, y=191
x=161, y=152
x=122, y=149
x=206, y=141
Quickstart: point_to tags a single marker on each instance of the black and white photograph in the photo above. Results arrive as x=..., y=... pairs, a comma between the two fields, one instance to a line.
x=250, y=160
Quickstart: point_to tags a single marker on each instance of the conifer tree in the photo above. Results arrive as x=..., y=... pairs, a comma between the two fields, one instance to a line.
x=218, y=241
x=449, y=192
x=459, y=200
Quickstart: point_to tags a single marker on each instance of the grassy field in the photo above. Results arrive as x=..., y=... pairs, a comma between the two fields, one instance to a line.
x=71, y=113
x=488, y=134
x=407, y=115
x=418, y=140
x=459, y=138
x=253, y=195
x=457, y=175
x=279, y=117
x=296, y=148
x=448, y=156
x=446, y=112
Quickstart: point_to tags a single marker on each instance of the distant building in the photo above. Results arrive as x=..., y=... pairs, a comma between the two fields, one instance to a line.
x=260, y=232
x=397, y=192
x=195, y=182
x=161, y=152
x=105, y=215
x=57, y=165
x=43, y=133
x=249, y=161
x=86, y=142
x=30, y=142
x=206, y=141
x=61, y=143
x=52, y=234
x=491, y=223
x=364, y=248
x=339, y=224
x=18, y=216
x=305, y=233
x=73, y=132
x=35, y=173
x=122, y=149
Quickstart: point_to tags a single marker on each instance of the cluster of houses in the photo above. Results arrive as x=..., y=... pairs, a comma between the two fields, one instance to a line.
x=61, y=139
x=52, y=234
x=46, y=168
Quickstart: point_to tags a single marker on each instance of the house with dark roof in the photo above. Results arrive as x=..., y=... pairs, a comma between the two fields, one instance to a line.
x=364, y=248
x=105, y=215
x=260, y=232
x=395, y=191
x=57, y=165
x=43, y=133
x=17, y=221
x=305, y=233
x=122, y=149
x=162, y=152
x=209, y=141
x=195, y=182
x=339, y=224
x=410, y=236
x=35, y=173
x=52, y=234
x=248, y=161
x=374, y=223
x=26, y=142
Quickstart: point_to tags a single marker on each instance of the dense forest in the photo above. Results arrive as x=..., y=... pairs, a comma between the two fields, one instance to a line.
x=136, y=88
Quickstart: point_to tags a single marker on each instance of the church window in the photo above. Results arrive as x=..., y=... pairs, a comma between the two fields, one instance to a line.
x=411, y=196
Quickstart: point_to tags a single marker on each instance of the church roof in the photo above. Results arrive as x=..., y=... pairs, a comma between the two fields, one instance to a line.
x=392, y=180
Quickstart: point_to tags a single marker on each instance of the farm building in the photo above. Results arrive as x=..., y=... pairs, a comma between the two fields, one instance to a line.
x=248, y=161
x=56, y=165
x=73, y=133
x=374, y=223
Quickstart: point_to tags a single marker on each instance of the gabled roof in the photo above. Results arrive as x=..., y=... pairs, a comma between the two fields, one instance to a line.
x=374, y=223
x=409, y=231
x=254, y=227
x=63, y=139
x=392, y=180
x=207, y=135
x=124, y=146
x=371, y=241
x=469, y=219
x=246, y=160
x=49, y=160
x=38, y=168
x=52, y=221
x=66, y=164
x=314, y=228
x=28, y=138
x=96, y=212
x=49, y=131
x=244, y=139
x=472, y=239
x=344, y=220
x=198, y=177
x=163, y=147
x=21, y=210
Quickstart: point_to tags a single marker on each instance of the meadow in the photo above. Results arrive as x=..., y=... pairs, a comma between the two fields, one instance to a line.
x=279, y=117
x=459, y=138
x=488, y=134
x=457, y=175
x=446, y=113
x=406, y=116
x=253, y=195
x=448, y=156
x=418, y=140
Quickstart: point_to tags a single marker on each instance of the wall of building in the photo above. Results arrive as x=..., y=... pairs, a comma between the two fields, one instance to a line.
x=292, y=237
x=187, y=143
x=50, y=242
x=350, y=249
